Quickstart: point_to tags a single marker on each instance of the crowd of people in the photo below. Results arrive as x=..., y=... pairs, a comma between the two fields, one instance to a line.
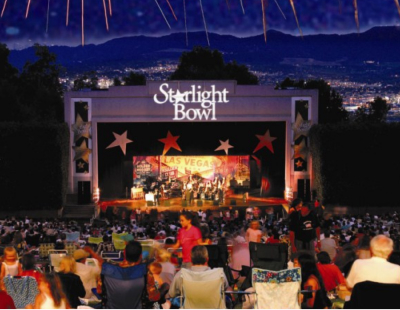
x=333, y=252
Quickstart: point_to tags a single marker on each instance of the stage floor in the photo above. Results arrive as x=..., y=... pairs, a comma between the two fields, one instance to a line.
x=177, y=204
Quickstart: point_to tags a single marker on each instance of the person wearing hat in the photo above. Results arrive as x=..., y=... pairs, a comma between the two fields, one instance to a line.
x=88, y=274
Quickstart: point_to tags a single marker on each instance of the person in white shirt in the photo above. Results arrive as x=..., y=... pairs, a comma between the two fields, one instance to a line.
x=253, y=234
x=376, y=268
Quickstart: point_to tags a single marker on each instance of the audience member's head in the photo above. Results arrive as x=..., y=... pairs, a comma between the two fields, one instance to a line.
x=324, y=258
x=28, y=262
x=199, y=255
x=133, y=251
x=297, y=203
x=381, y=246
x=163, y=255
x=155, y=268
x=80, y=255
x=67, y=265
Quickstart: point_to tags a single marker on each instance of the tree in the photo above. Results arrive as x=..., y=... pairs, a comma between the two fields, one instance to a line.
x=203, y=64
x=40, y=87
x=117, y=82
x=134, y=79
x=34, y=95
x=330, y=102
x=7, y=71
x=88, y=80
x=9, y=102
x=374, y=111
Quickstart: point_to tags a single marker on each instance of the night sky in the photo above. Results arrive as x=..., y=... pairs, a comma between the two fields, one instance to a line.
x=143, y=17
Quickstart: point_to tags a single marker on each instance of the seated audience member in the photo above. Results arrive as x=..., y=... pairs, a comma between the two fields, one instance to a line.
x=51, y=294
x=6, y=302
x=124, y=283
x=28, y=267
x=330, y=273
x=71, y=283
x=273, y=237
x=106, y=246
x=168, y=269
x=253, y=233
x=311, y=280
x=156, y=269
x=88, y=274
x=10, y=265
x=199, y=256
x=376, y=268
x=328, y=245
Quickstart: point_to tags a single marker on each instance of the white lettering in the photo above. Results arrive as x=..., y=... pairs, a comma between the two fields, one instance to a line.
x=164, y=92
x=206, y=99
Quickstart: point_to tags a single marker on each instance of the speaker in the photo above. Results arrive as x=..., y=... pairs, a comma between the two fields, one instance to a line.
x=184, y=203
x=303, y=189
x=233, y=202
x=84, y=194
x=199, y=203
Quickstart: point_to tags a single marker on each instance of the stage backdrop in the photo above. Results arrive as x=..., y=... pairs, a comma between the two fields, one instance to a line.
x=261, y=143
x=180, y=167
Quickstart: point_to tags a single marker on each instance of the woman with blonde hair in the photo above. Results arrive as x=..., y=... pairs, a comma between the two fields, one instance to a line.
x=71, y=283
x=51, y=294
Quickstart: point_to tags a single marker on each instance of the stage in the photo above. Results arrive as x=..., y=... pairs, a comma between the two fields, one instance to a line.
x=177, y=204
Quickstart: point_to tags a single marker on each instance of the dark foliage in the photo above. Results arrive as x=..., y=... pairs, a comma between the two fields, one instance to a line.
x=204, y=64
x=330, y=102
x=354, y=163
x=34, y=165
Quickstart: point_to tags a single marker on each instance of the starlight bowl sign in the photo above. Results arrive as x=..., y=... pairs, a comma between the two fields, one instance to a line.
x=193, y=104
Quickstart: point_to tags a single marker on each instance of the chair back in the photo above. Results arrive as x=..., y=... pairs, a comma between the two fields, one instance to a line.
x=123, y=287
x=373, y=295
x=269, y=256
x=115, y=256
x=95, y=240
x=56, y=257
x=212, y=293
x=23, y=290
x=72, y=236
x=44, y=249
x=277, y=289
x=118, y=241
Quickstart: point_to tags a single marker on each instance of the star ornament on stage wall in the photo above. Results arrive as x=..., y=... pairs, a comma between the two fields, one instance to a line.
x=81, y=128
x=300, y=151
x=224, y=146
x=299, y=163
x=265, y=140
x=170, y=141
x=81, y=165
x=300, y=127
x=82, y=152
x=121, y=141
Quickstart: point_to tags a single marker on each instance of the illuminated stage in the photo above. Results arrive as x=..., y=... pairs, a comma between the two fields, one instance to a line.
x=175, y=204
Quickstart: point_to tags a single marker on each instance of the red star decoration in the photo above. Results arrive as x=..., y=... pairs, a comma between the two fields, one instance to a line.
x=299, y=163
x=170, y=141
x=265, y=140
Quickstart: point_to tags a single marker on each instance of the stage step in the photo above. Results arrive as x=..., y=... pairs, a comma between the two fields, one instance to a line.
x=78, y=211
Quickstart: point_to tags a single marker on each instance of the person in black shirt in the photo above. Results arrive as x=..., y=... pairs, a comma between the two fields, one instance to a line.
x=304, y=228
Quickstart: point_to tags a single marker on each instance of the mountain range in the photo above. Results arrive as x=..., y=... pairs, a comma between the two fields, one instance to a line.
x=379, y=44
